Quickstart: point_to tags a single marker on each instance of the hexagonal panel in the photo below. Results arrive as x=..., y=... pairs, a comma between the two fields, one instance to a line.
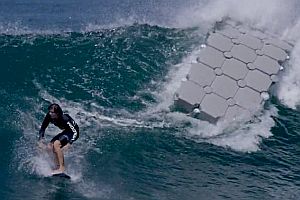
x=267, y=65
x=248, y=98
x=201, y=74
x=250, y=41
x=243, y=53
x=213, y=105
x=258, y=80
x=235, y=68
x=220, y=42
x=274, y=52
x=279, y=43
x=224, y=86
x=188, y=95
x=230, y=32
x=259, y=35
x=211, y=57
x=236, y=113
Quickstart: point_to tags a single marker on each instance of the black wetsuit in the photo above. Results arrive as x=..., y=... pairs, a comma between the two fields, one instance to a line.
x=67, y=124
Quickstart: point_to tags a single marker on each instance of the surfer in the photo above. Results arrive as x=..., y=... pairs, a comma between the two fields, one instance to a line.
x=62, y=140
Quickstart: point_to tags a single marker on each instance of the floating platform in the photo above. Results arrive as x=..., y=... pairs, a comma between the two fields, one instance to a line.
x=233, y=74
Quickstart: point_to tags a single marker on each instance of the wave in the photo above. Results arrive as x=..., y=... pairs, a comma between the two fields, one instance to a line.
x=60, y=16
x=94, y=82
x=117, y=81
x=102, y=79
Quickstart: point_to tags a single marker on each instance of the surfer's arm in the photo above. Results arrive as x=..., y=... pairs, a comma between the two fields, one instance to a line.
x=44, y=126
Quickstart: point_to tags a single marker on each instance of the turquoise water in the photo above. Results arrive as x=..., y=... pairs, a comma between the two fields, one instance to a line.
x=114, y=67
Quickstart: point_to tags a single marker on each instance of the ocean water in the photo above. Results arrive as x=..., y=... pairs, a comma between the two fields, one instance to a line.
x=114, y=67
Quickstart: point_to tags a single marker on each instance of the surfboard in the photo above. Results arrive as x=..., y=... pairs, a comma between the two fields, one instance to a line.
x=62, y=175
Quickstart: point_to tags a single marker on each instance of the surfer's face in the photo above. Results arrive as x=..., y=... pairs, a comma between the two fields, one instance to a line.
x=53, y=114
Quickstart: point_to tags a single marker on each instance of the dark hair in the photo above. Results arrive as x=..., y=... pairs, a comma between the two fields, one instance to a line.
x=57, y=109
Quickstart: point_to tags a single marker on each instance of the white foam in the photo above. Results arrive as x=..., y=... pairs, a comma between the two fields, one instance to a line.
x=246, y=137
x=240, y=135
x=93, y=190
x=90, y=113
x=42, y=164
x=288, y=90
x=29, y=157
x=177, y=73
x=120, y=22
x=256, y=13
x=18, y=28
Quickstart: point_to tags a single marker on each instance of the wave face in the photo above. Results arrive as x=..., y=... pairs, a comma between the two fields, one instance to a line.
x=114, y=67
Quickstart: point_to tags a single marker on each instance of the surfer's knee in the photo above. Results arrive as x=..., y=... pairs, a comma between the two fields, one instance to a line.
x=56, y=145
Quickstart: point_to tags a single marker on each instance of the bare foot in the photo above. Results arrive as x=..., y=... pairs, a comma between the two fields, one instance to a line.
x=58, y=171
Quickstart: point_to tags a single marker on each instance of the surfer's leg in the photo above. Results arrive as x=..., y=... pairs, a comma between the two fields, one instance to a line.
x=53, y=155
x=59, y=156
x=66, y=147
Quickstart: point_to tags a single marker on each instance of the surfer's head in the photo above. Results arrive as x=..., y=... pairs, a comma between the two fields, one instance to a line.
x=55, y=111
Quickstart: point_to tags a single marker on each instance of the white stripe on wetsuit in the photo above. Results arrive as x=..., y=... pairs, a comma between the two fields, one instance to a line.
x=74, y=131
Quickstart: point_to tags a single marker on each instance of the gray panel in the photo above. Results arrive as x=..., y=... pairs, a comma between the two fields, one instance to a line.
x=267, y=65
x=236, y=113
x=279, y=43
x=235, y=69
x=213, y=106
x=211, y=57
x=274, y=52
x=258, y=80
x=248, y=99
x=250, y=41
x=188, y=95
x=224, y=86
x=243, y=53
x=259, y=35
x=220, y=42
x=201, y=74
x=230, y=32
